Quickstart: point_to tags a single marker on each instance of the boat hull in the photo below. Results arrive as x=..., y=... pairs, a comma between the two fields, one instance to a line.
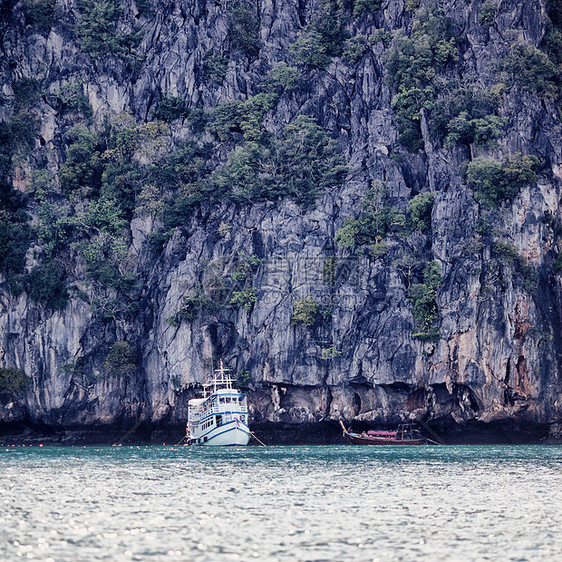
x=356, y=439
x=229, y=434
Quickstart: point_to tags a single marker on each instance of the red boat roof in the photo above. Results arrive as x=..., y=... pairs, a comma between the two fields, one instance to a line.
x=382, y=433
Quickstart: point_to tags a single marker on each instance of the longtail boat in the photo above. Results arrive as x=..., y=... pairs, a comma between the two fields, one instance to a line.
x=405, y=434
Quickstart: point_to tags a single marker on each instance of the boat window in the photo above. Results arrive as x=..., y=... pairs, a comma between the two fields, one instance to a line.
x=228, y=400
x=243, y=419
x=222, y=400
x=219, y=420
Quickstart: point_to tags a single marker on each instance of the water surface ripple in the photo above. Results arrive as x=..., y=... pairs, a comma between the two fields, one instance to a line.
x=281, y=503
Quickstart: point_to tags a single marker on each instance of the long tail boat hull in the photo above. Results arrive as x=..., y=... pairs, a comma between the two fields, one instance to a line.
x=357, y=439
x=399, y=437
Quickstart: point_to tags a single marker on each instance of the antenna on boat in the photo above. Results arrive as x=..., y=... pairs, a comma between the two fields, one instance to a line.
x=221, y=377
x=208, y=379
x=212, y=368
x=221, y=368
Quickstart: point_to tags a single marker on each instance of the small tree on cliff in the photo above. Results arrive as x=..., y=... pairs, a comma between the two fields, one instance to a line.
x=13, y=383
x=424, y=299
x=121, y=360
x=305, y=311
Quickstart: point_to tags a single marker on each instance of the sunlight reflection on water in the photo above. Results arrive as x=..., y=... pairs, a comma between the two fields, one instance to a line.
x=281, y=503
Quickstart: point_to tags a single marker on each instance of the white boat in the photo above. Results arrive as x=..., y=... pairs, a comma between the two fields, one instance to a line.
x=221, y=417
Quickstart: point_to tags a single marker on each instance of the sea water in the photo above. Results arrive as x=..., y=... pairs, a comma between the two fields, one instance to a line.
x=281, y=503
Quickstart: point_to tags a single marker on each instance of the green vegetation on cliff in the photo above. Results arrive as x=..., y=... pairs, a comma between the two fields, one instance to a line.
x=190, y=173
x=415, y=71
x=13, y=383
x=98, y=32
x=494, y=182
x=377, y=218
x=122, y=359
x=243, y=29
x=424, y=301
x=40, y=13
x=306, y=311
x=300, y=164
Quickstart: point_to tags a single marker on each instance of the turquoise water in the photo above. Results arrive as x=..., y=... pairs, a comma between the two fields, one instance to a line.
x=281, y=503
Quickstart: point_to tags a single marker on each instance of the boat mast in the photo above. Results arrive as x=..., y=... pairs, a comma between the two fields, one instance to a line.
x=222, y=378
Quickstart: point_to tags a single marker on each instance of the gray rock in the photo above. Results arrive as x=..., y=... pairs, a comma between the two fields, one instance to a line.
x=499, y=352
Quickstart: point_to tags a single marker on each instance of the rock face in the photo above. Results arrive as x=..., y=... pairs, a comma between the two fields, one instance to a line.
x=494, y=355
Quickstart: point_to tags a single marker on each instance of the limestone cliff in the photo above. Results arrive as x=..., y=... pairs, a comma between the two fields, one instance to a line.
x=410, y=271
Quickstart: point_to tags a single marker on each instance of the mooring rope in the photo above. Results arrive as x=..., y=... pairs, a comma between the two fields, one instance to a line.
x=257, y=439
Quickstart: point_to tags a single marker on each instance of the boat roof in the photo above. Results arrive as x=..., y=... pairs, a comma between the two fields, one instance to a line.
x=380, y=432
x=196, y=401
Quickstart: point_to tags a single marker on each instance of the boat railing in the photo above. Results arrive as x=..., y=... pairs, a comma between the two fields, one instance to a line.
x=220, y=409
